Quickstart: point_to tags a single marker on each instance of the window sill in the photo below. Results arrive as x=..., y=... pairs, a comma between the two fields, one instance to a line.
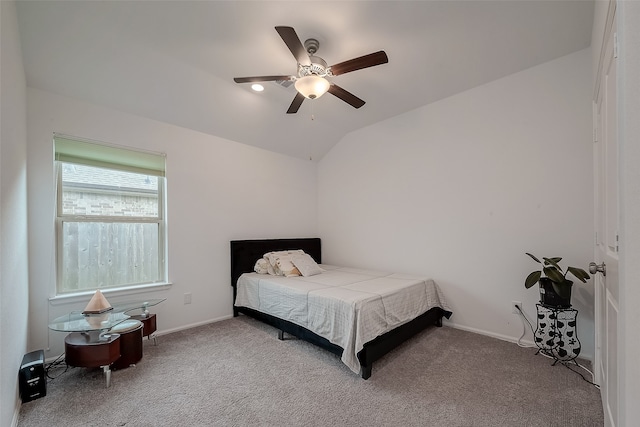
x=109, y=293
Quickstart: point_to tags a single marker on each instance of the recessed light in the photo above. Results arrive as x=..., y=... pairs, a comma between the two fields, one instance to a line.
x=257, y=87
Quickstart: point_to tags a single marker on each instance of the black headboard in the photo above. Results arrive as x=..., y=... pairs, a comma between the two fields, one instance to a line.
x=245, y=253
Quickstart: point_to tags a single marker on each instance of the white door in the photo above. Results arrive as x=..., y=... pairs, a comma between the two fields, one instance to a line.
x=607, y=226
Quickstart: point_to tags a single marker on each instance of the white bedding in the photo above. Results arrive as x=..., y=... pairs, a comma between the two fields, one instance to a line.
x=347, y=306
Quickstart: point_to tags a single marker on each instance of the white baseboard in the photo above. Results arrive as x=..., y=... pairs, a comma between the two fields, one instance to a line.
x=192, y=325
x=523, y=342
x=16, y=413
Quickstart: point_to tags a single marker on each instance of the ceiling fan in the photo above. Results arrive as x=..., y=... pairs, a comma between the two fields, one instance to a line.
x=311, y=80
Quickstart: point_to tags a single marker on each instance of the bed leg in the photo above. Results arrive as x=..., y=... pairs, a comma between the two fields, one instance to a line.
x=281, y=335
x=236, y=313
x=366, y=372
x=439, y=322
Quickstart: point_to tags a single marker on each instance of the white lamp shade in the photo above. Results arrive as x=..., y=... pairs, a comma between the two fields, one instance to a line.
x=312, y=87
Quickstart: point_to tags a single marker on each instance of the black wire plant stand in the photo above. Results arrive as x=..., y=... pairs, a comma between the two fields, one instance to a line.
x=556, y=333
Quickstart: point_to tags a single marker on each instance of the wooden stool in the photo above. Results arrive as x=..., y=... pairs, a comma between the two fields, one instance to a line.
x=149, y=323
x=130, y=332
x=80, y=352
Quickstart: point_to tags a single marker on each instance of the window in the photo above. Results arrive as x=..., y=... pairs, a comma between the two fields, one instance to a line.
x=110, y=216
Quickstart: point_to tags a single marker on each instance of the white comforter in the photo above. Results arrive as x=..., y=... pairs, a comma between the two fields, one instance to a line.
x=348, y=307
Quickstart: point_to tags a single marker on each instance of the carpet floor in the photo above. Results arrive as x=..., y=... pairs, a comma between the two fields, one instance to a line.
x=237, y=373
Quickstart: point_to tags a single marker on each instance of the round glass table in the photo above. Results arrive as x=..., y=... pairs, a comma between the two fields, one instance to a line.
x=91, y=342
x=97, y=326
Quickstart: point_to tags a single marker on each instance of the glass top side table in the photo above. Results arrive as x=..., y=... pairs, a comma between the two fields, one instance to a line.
x=89, y=342
x=142, y=305
x=95, y=326
x=148, y=319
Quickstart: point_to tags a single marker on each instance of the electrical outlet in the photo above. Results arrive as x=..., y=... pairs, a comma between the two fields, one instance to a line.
x=515, y=304
x=187, y=298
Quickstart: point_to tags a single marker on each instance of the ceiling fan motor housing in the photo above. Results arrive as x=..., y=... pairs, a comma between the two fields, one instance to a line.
x=318, y=67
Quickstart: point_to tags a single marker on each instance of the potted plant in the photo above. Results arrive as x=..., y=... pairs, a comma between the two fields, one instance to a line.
x=555, y=288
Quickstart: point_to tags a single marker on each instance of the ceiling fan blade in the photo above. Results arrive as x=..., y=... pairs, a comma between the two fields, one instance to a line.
x=260, y=79
x=346, y=96
x=365, y=61
x=297, y=102
x=294, y=44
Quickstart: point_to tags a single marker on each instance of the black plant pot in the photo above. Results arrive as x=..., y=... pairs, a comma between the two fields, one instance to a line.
x=549, y=297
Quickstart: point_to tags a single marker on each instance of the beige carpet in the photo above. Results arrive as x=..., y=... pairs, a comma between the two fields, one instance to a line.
x=237, y=373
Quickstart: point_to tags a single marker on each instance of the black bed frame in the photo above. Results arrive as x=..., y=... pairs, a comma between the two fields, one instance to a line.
x=245, y=253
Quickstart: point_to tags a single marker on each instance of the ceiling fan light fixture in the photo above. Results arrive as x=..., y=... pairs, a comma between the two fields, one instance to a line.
x=312, y=86
x=257, y=87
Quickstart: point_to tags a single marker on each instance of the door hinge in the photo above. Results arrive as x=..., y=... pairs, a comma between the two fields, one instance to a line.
x=615, y=45
x=617, y=243
x=595, y=135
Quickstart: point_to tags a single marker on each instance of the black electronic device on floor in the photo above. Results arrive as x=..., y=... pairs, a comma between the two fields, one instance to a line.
x=32, y=380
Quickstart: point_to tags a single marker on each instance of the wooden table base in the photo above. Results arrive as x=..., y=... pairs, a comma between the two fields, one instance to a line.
x=81, y=352
x=149, y=323
x=130, y=347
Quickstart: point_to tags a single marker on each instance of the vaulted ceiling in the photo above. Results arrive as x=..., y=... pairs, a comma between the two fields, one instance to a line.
x=175, y=61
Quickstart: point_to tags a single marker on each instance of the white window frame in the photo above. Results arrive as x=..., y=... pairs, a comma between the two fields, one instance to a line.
x=61, y=218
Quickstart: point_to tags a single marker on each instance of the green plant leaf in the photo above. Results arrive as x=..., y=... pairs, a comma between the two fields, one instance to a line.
x=579, y=274
x=554, y=262
x=532, y=279
x=534, y=258
x=553, y=274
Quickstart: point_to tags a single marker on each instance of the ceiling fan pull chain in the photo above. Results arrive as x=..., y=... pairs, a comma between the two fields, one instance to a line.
x=309, y=146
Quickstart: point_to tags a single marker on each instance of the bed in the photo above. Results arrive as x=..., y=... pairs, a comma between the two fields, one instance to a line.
x=373, y=326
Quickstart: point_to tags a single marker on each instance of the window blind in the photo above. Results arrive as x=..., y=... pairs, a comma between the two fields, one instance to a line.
x=70, y=150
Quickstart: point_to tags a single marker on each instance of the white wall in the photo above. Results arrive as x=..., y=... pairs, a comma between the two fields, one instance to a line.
x=460, y=189
x=218, y=191
x=14, y=278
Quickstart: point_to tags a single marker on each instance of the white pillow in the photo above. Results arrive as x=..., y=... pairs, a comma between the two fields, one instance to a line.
x=262, y=266
x=272, y=257
x=286, y=267
x=281, y=264
x=306, y=265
